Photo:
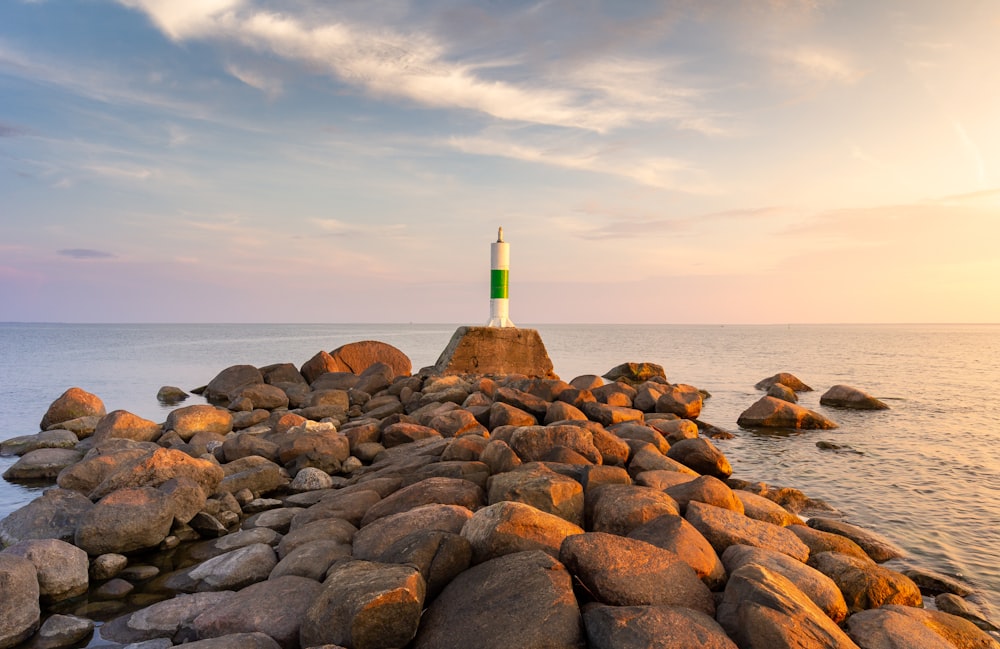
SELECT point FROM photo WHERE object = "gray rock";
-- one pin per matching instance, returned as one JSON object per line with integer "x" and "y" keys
{"x": 107, "y": 566}
{"x": 125, "y": 520}
{"x": 233, "y": 570}
{"x": 311, "y": 479}
{"x": 62, "y": 568}
{"x": 652, "y": 627}
{"x": 42, "y": 464}
{"x": 324, "y": 529}
{"x": 163, "y": 619}
{"x": 312, "y": 559}
{"x": 19, "y": 594}
{"x": 61, "y": 631}
{"x": 57, "y": 438}
{"x": 444, "y": 491}
{"x": 54, "y": 515}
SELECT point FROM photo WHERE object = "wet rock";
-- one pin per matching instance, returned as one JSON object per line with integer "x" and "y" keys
{"x": 170, "y": 395}
{"x": 542, "y": 488}
{"x": 786, "y": 379}
{"x": 723, "y": 528}
{"x": 681, "y": 400}
{"x": 365, "y": 605}
{"x": 62, "y": 568}
{"x": 769, "y": 412}
{"x": 444, "y": 491}
{"x": 54, "y": 515}
{"x": 509, "y": 527}
{"x": 705, "y": 489}
{"x": 125, "y": 520}
{"x": 702, "y": 456}
{"x": 522, "y": 600}
{"x": 876, "y": 546}
{"x": 892, "y": 627}
{"x": 955, "y": 605}
{"x": 374, "y": 539}
{"x": 627, "y": 572}
{"x": 125, "y": 425}
{"x": 783, "y": 392}
{"x": 72, "y": 404}
{"x": 19, "y": 594}
{"x": 42, "y": 464}
{"x": 761, "y": 608}
{"x": 274, "y": 607}
{"x": 864, "y": 583}
{"x": 230, "y": 571}
{"x": 819, "y": 541}
{"x": 57, "y": 438}
{"x": 676, "y": 535}
{"x": 652, "y": 627}
{"x": 844, "y": 396}
{"x": 621, "y": 508}
{"x": 163, "y": 619}
{"x": 199, "y": 418}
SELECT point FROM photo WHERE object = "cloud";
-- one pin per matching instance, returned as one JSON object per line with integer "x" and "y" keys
{"x": 181, "y": 19}
{"x": 637, "y": 228}
{"x": 85, "y": 253}
{"x": 338, "y": 228}
{"x": 812, "y": 64}
{"x": 9, "y": 130}
{"x": 270, "y": 86}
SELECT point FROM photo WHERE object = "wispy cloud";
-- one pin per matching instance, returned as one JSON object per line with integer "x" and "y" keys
{"x": 10, "y": 130}
{"x": 270, "y": 86}
{"x": 85, "y": 253}
{"x": 812, "y": 64}
{"x": 339, "y": 228}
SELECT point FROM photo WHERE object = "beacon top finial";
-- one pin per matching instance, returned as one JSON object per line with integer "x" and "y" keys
{"x": 500, "y": 235}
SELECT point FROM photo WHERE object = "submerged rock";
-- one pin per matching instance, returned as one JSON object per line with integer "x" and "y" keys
{"x": 788, "y": 380}
{"x": 769, "y": 412}
{"x": 844, "y": 396}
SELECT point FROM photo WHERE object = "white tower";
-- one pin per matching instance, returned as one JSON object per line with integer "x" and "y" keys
{"x": 499, "y": 275}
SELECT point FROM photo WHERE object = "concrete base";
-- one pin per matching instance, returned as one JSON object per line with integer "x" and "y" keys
{"x": 495, "y": 350}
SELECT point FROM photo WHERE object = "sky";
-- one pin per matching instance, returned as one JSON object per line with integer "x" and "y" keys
{"x": 683, "y": 161}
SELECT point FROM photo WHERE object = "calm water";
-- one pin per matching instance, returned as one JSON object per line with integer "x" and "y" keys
{"x": 925, "y": 473}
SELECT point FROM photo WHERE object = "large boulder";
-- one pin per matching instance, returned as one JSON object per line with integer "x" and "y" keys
{"x": 321, "y": 449}
{"x": 230, "y": 381}
{"x": 439, "y": 556}
{"x": 19, "y": 594}
{"x": 652, "y": 627}
{"x": 522, "y": 600}
{"x": 261, "y": 395}
{"x": 123, "y": 424}
{"x": 866, "y": 584}
{"x": 102, "y": 461}
{"x": 542, "y": 488}
{"x": 761, "y": 608}
{"x": 533, "y": 443}
{"x": 627, "y": 572}
{"x": 63, "y": 569}
{"x": 705, "y": 489}
{"x": 163, "y": 619}
{"x": 879, "y": 548}
{"x": 443, "y": 491}
{"x": 233, "y": 570}
{"x": 54, "y": 515}
{"x": 635, "y": 373}
{"x": 200, "y": 418}
{"x": 42, "y": 464}
{"x": 676, "y": 535}
{"x": 274, "y": 607}
{"x": 311, "y": 560}
{"x": 125, "y": 520}
{"x": 72, "y": 404}
{"x": 896, "y": 627}
{"x": 508, "y": 527}
{"x": 723, "y": 528}
{"x": 820, "y": 541}
{"x": 620, "y": 508}
{"x": 375, "y": 538}
{"x": 769, "y": 412}
{"x": 766, "y": 510}
{"x": 356, "y": 357}
{"x": 844, "y": 396}
{"x": 784, "y": 378}
{"x": 365, "y": 605}
{"x": 163, "y": 465}
{"x": 681, "y": 400}
{"x": 702, "y": 456}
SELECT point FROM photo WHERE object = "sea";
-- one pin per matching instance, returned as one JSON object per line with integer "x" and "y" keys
{"x": 925, "y": 473}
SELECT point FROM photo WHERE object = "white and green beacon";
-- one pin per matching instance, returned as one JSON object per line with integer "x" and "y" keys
{"x": 499, "y": 276}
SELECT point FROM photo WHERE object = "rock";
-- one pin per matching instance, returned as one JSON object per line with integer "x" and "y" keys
{"x": 82, "y": 427}
{"x": 42, "y": 464}
{"x": 761, "y": 608}
{"x": 189, "y": 420}
{"x": 502, "y": 414}
{"x": 236, "y": 641}
{"x": 934, "y": 582}
{"x": 681, "y": 400}
{"x": 676, "y": 535}
{"x": 365, "y": 605}
{"x": 532, "y": 443}
{"x": 635, "y": 373}
{"x": 311, "y": 479}
{"x": 896, "y": 627}
{"x": 257, "y": 474}
{"x": 645, "y": 457}
{"x": 319, "y": 365}
{"x": 312, "y": 559}
{"x": 783, "y": 392}
{"x": 123, "y": 424}
{"x": 54, "y": 515}
{"x": 62, "y": 568}
{"x": 374, "y": 539}
{"x": 170, "y": 395}
{"x": 445, "y": 491}
{"x": 282, "y": 373}
{"x": 702, "y": 456}
{"x": 769, "y": 412}
{"x": 627, "y": 572}
{"x": 723, "y": 528}
{"x": 844, "y": 396}
{"x": 231, "y": 571}
{"x": 19, "y": 594}
{"x": 955, "y": 605}
{"x": 864, "y": 583}
{"x": 674, "y": 430}
{"x": 125, "y": 520}
{"x": 274, "y": 607}
{"x": 786, "y": 379}
{"x": 279, "y": 519}
{"x": 621, "y": 508}
{"x": 705, "y": 489}
{"x": 819, "y": 541}
{"x": 562, "y": 411}
{"x": 509, "y": 527}
{"x": 156, "y": 469}
{"x": 405, "y": 433}
{"x": 652, "y": 627}
{"x": 439, "y": 556}
{"x": 72, "y": 404}
{"x": 813, "y": 584}
{"x": 495, "y": 350}
{"x": 642, "y": 432}
{"x": 325, "y": 450}
{"x": 615, "y": 394}
{"x": 350, "y": 506}
{"x": 62, "y": 631}
{"x": 113, "y": 589}
{"x": 876, "y": 546}
{"x": 499, "y": 457}
{"x": 587, "y": 382}
{"x": 57, "y": 438}
{"x": 357, "y": 357}
{"x": 163, "y": 619}
{"x": 261, "y": 395}
{"x": 229, "y": 382}
{"x": 457, "y": 423}
{"x": 542, "y": 488}
{"x": 102, "y": 461}
{"x": 107, "y": 566}
{"x": 522, "y": 600}
{"x": 607, "y": 415}
{"x": 763, "y": 509}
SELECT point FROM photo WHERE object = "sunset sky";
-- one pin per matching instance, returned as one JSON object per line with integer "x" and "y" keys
{"x": 650, "y": 162}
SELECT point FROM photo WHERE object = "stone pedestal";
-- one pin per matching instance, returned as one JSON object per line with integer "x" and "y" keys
{"x": 495, "y": 350}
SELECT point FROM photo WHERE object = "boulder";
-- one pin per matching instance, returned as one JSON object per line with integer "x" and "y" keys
{"x": 282, "y": 373}
{"x": 875, "y": 546}
{"x": 125, "y": 520}
{"x": 356, "y": 357}
{"x": 62, "y": 631}
{"x": 311, "y": 479}
{"x": 233, "y": 570}
{"x": 324, "y": 450}
{"x": 123, "y": 424}
{"x": 652, "y": 627}
{"x": 159, "y": 467}
{"x": 769, "y": 412}
{"x": 681, "y": 400}
{"x": 325, "y": 529}
{"x": 866, "y": 584}
{"x": 439, "y": 556}
{"x": 635, "y": 373}
{"x": 374, "y": 539}
{"x": 813, "y": 584}
{"x": 311, "y": 560}
{"x": 532, "y": 443}
{"x": 786, "y": 379}
{"x": 705, "y": 489}
{"x": 444, "y": 491}
{"x": 365, "y": 605}
{"x": 620, "y": 508}
{"x": 615, "y": 394}
{"x": 499, "y": 457}
{"x": 819, "y": 541}
{"x": 19, "y": 594}
{"x": 723, "y": 528}
{"x": 676, "y": 535}
{"x": 522, "y": 600}
{"x": 257, "y": 474}
{"x": 82, "y": 427}
{"x": 899, "y": 627}
{"x": 319, "y": 365}
{"x": 170, "y": 395}
{"x": 587, "y": 382}
{"x": 495, "y": 350}
{"x": 525, "y": 401}
{"x": 200, "y": 418}
{"x": 274, "y": 607}
{"x": 627, "y": 572}
{"x": 509, "y": 527}
{"x": 783, "y": 392}
{"x": 844, "y": 396}
{"x": 502, "y": 414}
{"x": 955, "y": 605}
{"x": 230, "y": 381}
{"x": 455, "y": 423}
{"x": 56, "y": 438}
{"x": 642, "y": 432}
{"x": 542, "y": 488}
{"x": 246, "y": 444}
{"x": 562, "y": 411}
{"x": 72, "y": 404}
{"x": 42, "y": 464}
{"x": 405, "y": 433}
{"x": 761, "y": 608}
{"x": 235, "y": 641}
{"x": 646, "y": 396}
{"x": 261, "y": 395}
{"x": 54, "y": 515}
{"x": 163, "y": 619}
{"x": 63, "y": 569}
{"x": 763, "y": 509}
{"x": 702, "y": 456}
{"x": 607, "y": 415}
{"x": 645, "y": 457}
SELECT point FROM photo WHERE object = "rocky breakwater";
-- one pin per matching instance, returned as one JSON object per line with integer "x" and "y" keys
{"x": 372, "y": 508}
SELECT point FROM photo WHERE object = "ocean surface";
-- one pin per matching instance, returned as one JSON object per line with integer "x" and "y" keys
{"x": 925, "y": 473}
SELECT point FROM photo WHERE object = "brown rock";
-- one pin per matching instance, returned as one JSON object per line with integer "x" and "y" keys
{"x": 763, "y": 509}
{"x": 499, "y": 457}
{"x": 495, "y": 350}
{"x": 374, "y": 539}
{"x": 230, "y": 381}
{"x": 125, "y": 520}
{"x": 621, "y": 508}
{"x": 783, "y": 392}
{"x": 72, "y": 404}
{"x": 163, "y": 465}
{"x": 635, "y": 373}
{"x": 439, "y": 556}
{"x": 702, "y": 456}
{"x": 319, "y": 365}
{"x": 676, "y": 535}
{"x": 19, "y": 594}
{"x": 357, "y": 357}
{"x": 876, "y": 546}
{"x": 502, "y": 414}
{"x": 53, "y": 515}
{"x": 786, "y": 379}
{"x": 542, "y": 488}
{"x": 261, "y": 395}
{"x": 705, "y": 489}
{"x": 42, "y": 464}
{"x": 444, "y": 491}
{"x": 681, "y": 400}
{"x": 324, "y": 529}
{"x": 819, "y": 541}
{"x": 896, "y": 627}
{"x": 587, "y": 382}
{"x": 864, "y": 583}
{"x": 723, "y": 528}
{"x": 844, "y": 396}
{"x": 189, "y": 420}
{"x": 769, "y": 412}
{"x": 123, "y": 424}
{"x": 607, "y": 415}
{"x": 405, "y": 433}
{"x": 652, "y": 627}
{"x": 525, "y": 401}
{"x": 321, "y": 449}
{"x": 509, "y": 527}
{"x": 532, "y": 443}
